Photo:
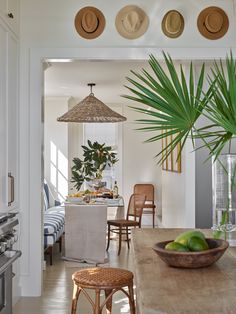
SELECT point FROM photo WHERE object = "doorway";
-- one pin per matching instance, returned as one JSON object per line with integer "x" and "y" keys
{"x": 108, "y": 89}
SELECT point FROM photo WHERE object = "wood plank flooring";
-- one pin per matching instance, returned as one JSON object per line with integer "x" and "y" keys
{"x": 57, "y": 289}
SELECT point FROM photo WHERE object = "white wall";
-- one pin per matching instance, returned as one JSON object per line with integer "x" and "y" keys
{"x": 178, "y": 193}
{"x": 57, "y": 29}
{"x": 56, "y": 147}
{"x": 138, "y": 160}
{"x": 47, "y": 31}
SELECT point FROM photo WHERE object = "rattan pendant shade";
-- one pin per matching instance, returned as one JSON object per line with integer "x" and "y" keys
{"x": 91, "y": 109}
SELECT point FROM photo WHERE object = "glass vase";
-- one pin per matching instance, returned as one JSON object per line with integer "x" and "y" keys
{"x": 224, "y": 197}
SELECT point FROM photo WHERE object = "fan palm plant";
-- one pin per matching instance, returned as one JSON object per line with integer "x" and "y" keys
{"x": 174, "y": 105}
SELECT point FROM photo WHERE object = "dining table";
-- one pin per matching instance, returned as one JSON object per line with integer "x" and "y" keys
{"x": 161, "y": 289}
{"x": 86, "y": 226}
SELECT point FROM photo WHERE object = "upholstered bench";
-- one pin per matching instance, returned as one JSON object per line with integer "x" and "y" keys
{"x": 54, "y": 221}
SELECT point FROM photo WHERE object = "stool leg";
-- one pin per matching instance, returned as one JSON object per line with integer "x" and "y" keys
{"x": 131, "y": 299}
{"x": 108, "y": 236}
{"x": 97, "y": 309}
{"x": 120, "y": 235}
{"x": 76, "y": 293}
{"x": 109, "y": 301}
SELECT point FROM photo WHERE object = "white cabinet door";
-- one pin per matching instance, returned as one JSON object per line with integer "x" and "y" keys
{"x": 3, "y": 119}
{"x": 12, "y": 97}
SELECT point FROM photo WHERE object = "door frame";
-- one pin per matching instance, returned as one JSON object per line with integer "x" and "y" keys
{"x": 31, "y": 138}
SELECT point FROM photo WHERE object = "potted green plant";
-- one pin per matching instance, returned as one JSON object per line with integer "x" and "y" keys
{"x": 175, "y": 105}
{"x": 95, "y": 158}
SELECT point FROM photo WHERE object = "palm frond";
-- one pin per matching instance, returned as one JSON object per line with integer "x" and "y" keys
{"x": 221, "y": 108}
{"x": 175, "y": 105}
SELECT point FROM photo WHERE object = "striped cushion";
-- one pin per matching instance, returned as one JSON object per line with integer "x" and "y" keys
{"x": 53, "y": 222}
{"x": 57, "y": 218}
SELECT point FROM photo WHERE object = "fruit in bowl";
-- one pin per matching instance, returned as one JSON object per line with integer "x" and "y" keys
{"x": 191, "y": 250}
{"x": 189, "y": 241}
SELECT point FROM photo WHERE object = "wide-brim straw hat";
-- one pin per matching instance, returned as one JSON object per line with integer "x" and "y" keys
{"x": 89, "y": 22}
{"x": 131, "y": 22}
{"x": 172, "y": 24}
{"x": 213, "y": 23}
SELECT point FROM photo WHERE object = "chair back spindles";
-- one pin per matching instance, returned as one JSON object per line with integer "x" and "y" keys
{"x": 147, "y": 189}
{"x": 135, "y": 208}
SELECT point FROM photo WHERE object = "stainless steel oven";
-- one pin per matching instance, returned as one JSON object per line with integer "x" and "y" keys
{"x": 8, "y": 236}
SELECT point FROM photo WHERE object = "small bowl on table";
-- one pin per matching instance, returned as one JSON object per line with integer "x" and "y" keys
{"x": 200, "y": 259}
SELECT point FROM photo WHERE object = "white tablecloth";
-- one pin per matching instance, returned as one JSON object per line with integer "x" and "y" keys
{"x": 85, "y": 232}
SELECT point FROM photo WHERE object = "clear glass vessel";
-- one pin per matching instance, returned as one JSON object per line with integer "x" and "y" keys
{"x": 224, "y": 196}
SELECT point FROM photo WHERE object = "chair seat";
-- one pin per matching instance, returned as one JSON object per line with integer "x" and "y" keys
{"x": 102, "y": 277}
{"x": 123, "y": 222}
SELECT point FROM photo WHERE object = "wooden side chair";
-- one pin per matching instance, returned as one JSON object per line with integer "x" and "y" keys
{"x": 110, "y": 280}
{"x": 148, "y": 190}
{"x": 133, "y": 219}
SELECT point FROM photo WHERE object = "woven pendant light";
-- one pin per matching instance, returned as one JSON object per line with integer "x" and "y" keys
{"x": 91, "y": 109}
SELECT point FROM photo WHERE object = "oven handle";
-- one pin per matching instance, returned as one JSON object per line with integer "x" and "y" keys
{"x": 10, "y": 261}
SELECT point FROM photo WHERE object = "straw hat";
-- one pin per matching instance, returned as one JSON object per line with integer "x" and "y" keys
{"x": 213, "y": 23}
{"x": 89, "y": 22}
{"x": 173, "y": 24}
{"x": 131, "y": 22}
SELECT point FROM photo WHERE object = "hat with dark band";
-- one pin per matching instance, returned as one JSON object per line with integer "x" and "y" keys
{"x": 213, "y": 23}
{"x": 89, "y": 22}
{"x": 172, "y": 24}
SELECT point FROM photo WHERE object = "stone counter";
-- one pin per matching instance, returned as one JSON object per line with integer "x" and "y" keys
{"x": 162, "y": 289}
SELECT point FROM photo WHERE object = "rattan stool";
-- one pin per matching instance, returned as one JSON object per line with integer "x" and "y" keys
{"x": 110, "y": 280}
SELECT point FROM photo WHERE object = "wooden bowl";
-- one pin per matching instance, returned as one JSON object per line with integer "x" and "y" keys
{"x": 192, "y": 259}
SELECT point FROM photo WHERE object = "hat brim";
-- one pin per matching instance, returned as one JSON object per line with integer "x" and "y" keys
{"x": 166, "y": 32}
{"x": 78, "y": 23}
{"x": 119, "y": 26}
{"x": 201, "y": 23}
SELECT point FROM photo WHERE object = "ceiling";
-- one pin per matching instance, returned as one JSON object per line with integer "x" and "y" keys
{"x": 69, "y": 79}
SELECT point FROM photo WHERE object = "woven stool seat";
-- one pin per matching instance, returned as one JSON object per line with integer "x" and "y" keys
{"x": 103, "y": 277}
{"x": 110, "y": 280}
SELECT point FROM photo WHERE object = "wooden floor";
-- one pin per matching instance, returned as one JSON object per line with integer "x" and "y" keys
{"x": 57, "y": 289}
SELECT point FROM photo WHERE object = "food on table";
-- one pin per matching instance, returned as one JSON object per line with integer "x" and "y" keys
{"x": 175, "y": 246}
{"x": 80, "y": 194}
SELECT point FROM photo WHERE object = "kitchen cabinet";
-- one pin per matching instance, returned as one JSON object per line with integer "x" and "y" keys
{"x": 8, "y": 116}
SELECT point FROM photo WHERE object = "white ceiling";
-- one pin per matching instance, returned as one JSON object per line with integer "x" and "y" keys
{"x": 69, "y": 79}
